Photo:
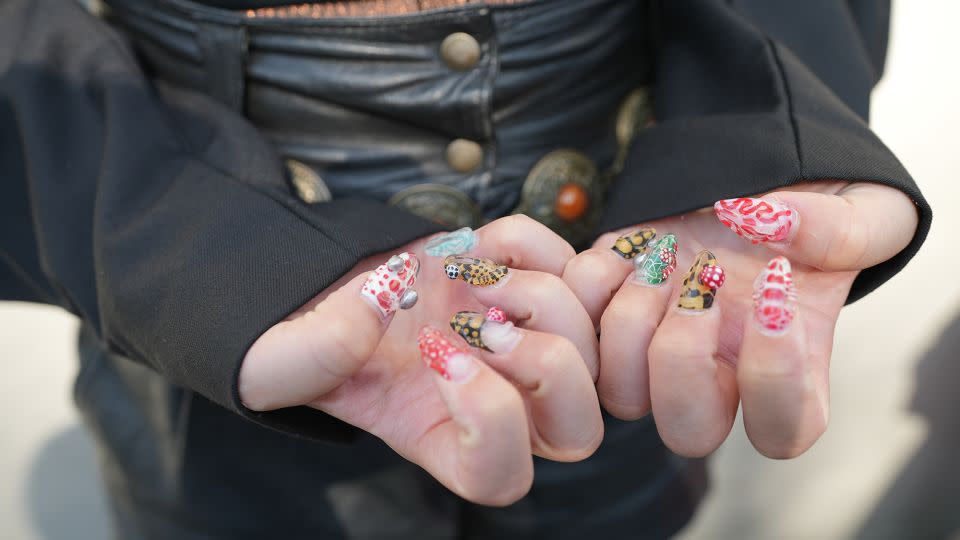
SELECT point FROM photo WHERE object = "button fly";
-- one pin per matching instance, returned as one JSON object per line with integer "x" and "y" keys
{"x": 460, "y": 51}
{"x": 464, "y": 155}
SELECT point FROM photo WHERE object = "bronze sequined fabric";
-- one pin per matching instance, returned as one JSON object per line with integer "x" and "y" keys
{"x": 364, "y": 8}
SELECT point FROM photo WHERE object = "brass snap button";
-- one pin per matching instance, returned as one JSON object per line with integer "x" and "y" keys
{"x": 460, "y": 51}
{"x": 307, "y": 183}
{"x": 439, "y": 203}
{"x": 464, "y": 155}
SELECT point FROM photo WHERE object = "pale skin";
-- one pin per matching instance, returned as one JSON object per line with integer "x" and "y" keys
{"x": 336, "y": 353}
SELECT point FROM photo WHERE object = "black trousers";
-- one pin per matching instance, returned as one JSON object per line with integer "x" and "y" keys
{"x": 178, "y": 466}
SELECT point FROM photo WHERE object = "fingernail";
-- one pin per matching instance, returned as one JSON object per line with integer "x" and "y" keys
{"x": 774, "y": 297}
{"x": 475, "y": 271}
{"x": 491, "y": 332}
{"x": 655, "y": 266}
{"x": 443, "y": 357}
{"x": 630, "y": 245}
{"x": 758, "y": 220}
{"x": 390, "y": 286}
{"x": 452, "y": 243}
{"x": 701, "y": 283}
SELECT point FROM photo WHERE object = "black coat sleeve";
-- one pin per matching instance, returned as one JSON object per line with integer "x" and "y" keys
{"x": 160, "y": 218}
{"x": 755, "y": 95}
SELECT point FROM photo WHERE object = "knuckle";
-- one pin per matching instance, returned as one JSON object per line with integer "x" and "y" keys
{"x": 514, "y": 489}
{"x": 615, "y": 317}
{"x": 592, "y": 264}
{"x": 680, "y": 348}
{"x": 343, "y": 349}
{"x": 851, "y": 241}
{"x": 556, "y": 356}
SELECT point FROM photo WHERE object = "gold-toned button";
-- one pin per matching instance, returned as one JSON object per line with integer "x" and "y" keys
{"x": 460, "y": 51}
{"x": 464, "y": 155}
{"x": 307, "y": 183}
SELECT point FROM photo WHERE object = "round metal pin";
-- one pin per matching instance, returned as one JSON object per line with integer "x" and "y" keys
{"x": 409, "y": 299}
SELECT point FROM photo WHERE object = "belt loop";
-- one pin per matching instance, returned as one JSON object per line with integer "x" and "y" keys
{"x": 224, "y": 48}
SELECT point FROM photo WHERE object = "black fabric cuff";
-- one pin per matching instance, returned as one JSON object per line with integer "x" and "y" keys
{"x": 741, "y": 115}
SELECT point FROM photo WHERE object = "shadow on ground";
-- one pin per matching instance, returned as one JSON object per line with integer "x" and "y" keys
{"x": 922, "y": 501}
{"x": 64, "y": 492}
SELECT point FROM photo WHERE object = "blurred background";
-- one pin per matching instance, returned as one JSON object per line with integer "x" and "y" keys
{"x": 885, "y": 469}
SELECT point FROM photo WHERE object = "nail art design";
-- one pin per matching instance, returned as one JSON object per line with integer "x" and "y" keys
{"x": 774, "y": 297}
{"x": 453, "y": 243}
{"x": 443, "y": 357}
{"x": 655, "y": 266}
{"x": 476, "y": 272}
{"x": 490, "y": 332}
{"x": 701, "y": 283}
{"x": 390, "y": 286}
{"x": 757, "y": 220}
{"x": 630, "y": 245}
{"x": 496, "y": 314}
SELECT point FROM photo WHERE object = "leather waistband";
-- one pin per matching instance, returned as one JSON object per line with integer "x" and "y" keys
{"x": 460, "y": 115}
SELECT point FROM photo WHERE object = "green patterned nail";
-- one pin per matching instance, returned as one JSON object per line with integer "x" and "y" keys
{"x": 654, "y": 267}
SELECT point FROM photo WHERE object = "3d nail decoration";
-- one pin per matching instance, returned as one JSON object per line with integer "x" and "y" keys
{"x": 700, "y": 285}
{"x": 757, "y": 220}
{"x": 390, "y": 286}
{"x": 443, "y": 357}
{"x": 630, "y": 245}
{"x": 496, "y": 314}
{"x": 491, "y": 332}
{"x": 453, "y": 243}
{"x": 774, "y": 297}
{"x": 654, "y": 267}
{"x": 475, "y": 271}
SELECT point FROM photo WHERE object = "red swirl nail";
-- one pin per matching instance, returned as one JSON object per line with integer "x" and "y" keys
{"x": 757, "y": 220}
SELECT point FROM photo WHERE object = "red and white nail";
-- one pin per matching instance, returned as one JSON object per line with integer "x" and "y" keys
{"x": 774, "y": 297}
{"x": 390, "y": 286}
{"x": 450, "y": 362}
{"x": 758, "y": 220}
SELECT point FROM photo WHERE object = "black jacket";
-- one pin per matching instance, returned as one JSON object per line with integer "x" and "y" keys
{"x": 164, "y": 221}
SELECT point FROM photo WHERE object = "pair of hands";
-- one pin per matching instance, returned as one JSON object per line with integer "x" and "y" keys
{"x": 475, "y": 420}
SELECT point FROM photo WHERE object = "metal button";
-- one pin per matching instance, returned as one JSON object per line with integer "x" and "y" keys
{"x": 464, "y": 155}
{"x": 563, "y": 192}
{"x": 308, "y": 184}
{"x": 439, "y": 203}
{"x": 460, "y": 51}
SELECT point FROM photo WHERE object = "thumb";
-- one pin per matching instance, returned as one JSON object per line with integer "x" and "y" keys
{"x": 302, "y": 358}
{"x": 860, "y": 226}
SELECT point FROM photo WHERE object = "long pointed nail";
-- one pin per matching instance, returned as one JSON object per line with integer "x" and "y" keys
{"x": 654, "y": 267}
{"x": 491, "y": 332}
{"x": 630, "y": 245}
{"x": 701, "y": 283}
{"x": 452, "y": 243}
{"x": 758, "y": 220}
{"x": 444, "y": 358}
{"x": 475, "y": 271}
{"x": 774, "y": 297}
{"x": 390, "y": 286}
